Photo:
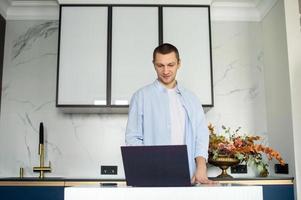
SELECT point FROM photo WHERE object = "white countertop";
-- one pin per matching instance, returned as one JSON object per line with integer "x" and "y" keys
{"x": 203, "y": 192}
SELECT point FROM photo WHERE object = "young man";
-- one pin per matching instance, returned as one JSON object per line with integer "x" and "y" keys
{"x": 164, "y": 113}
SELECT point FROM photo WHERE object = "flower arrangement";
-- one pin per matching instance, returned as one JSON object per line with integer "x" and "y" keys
{"x": 242, "y": 147}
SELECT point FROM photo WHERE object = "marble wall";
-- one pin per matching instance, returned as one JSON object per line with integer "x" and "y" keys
{"x": 238, "y": 80}
{"x": 77, "y": 144}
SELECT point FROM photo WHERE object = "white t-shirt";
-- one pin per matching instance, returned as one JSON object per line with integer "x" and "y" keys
{"x": 177, "y": 117}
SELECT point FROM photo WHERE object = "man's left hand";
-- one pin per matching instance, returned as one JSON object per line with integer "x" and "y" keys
{"x": 200, "y": 175}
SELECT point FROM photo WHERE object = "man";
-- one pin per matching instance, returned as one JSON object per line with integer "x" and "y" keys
{"x": 164, "y": 113}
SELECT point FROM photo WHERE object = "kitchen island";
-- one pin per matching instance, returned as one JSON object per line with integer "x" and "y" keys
{"x": 52, "y": 188}
{"x": 216, "y": 192}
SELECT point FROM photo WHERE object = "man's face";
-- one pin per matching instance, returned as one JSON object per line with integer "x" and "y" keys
{"x": 166, "y": 66}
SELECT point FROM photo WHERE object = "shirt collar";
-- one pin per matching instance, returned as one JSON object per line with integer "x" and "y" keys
{"x": 164, "y": 89}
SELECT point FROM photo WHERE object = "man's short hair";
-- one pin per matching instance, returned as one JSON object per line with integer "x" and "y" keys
{"x": 166, "y": 48}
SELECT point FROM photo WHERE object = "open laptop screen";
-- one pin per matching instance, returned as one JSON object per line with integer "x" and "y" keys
{"x": 156, "y": 165}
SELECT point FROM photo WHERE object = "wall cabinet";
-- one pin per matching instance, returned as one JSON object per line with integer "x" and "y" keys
{"x": 82, "y": 56}
{"x": 105, "y": 52}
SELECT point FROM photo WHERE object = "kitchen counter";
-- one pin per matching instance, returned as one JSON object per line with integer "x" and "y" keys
{"x": 49, "y": 188}
{"x": 61, "y": 181}
{"x": 55, "y": 181}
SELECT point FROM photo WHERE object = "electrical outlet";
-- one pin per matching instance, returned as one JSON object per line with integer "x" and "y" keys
{"x": 281, "y": 169}
{"x": 239, "y": 169}
{"x": 108, "y": 170}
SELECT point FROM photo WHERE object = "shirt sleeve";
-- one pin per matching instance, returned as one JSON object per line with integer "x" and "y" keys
{"x": 134, "y": 129}
{"x": 202, "y": 136}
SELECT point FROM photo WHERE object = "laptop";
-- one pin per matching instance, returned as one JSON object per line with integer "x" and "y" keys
{"x": 156, "y": 166}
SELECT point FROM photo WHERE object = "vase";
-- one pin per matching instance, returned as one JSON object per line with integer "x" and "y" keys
{"x": 224, "y": 163}
{"x": 263, "y": 173}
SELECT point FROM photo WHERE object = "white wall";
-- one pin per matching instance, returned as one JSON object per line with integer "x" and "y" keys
{"x": 277, "y": 86}
{"x": 77, "y": 144}
{"x": 293, "y": 31}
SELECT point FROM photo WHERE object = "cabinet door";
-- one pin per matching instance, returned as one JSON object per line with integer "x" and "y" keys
{"x": 82, "y": 55}
{"x": 278, "y": 192}
{"x": 188, "y": 29}
{"x": 31, "y": 192}
{"x": 134, "y": 36}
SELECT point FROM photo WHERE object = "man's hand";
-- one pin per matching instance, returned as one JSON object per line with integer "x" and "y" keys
{"x": 200, "y": 175}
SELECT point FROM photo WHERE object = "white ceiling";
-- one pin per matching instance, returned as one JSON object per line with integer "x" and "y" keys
{"x": 18, "y": 2}
{"x": 229, "y": 10}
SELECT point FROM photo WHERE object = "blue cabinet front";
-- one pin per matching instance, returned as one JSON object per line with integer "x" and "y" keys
{"x": 278, "y": 192}
{"x": 31, "y": 193}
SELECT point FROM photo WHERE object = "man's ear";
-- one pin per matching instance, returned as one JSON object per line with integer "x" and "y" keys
{"x": 179, "y": 64}
{"x": 154, "y": 64}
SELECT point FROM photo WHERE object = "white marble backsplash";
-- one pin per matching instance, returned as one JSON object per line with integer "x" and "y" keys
{"x": 77, "y": 144}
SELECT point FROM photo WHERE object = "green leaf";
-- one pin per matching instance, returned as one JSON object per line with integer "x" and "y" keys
{"x": 259, "y": 168}
{"x": 239, "y": 156}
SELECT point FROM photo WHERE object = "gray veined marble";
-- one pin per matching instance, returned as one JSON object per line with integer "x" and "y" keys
{"x": 34, "y": 58}
{"x": 229, "y": 68}
{"x": 39, "y": 107}
{"x": 254, "y": 92}
{"x": 26, "y": 40}
{"x": 76, "y": 134}
{"x": 28, "y": 150}
{"x": 22, "y": 101}
{"x": 260, "y": 61}
{"x": 54, "y": 148}
{"x": 233, "y": 91}
{"x": 5, "y": 88}
{"x": 30, "y": 123}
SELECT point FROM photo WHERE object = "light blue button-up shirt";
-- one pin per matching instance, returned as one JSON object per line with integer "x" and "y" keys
{"x": 149, "y": 121}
